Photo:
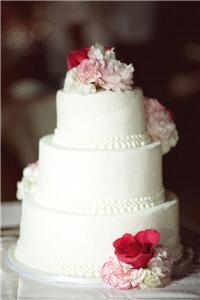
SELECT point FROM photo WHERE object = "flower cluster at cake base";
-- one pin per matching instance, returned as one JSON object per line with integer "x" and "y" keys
{"x": 160, "y": 124}
{"x": 96, "y": 68}
{"x": 138, "y": 263}
{"x": 28, "y": 184}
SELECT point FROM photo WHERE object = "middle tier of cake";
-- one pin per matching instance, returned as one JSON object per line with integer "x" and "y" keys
{"x": 99, "y": 182}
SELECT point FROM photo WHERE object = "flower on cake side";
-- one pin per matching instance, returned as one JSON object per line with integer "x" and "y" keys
{"x": 27, "y": 185}
{"x": 96, "y": 68}
{"x": 139, "y": 262}
{"x": 160, "y": 124}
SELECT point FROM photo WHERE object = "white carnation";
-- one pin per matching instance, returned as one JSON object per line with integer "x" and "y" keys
{"x": 171, "y": 142}
{"x": 151, "y": 280}
{"x": 137, "y": 276}
{"x": 97, "y": 51}
{"x": 160, "y": 124}
{"x": 157, "y": 266}
{"x": 28, "y": 184}
{"x": 110, "y": 55}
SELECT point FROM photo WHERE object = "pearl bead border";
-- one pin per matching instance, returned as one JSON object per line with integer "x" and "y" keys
{"x": 115, "y": 207}
{"x": 61, "y": 268}
{"x": 104, "y": 143}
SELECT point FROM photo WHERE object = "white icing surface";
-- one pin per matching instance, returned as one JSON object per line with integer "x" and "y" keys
{"x": 72, "y": 179}
{"x": 105, "y": 114}
{"x": 78, "y": 245}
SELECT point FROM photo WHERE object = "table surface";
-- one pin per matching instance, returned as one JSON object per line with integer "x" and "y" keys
{"x": 15, "y": 286}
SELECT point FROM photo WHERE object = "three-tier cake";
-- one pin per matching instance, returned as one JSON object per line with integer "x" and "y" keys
{"x": 99, "y": 175}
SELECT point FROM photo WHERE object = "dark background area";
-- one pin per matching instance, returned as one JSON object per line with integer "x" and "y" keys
{"x": 162, "y": 39}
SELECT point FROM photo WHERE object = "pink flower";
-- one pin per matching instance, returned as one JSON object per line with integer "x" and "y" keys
{"x": 117, "y": 76}
{"x": 76, "y": 56}
{"x": 115, "y": 275}
{"x": 88, "y": 71}
{"x": 159, "y": 124}
{"x": 136, "y": 250}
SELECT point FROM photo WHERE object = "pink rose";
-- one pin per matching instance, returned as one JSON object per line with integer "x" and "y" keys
{"x": 76, "y": 56}
{"x": 117, "y": 76}
{"x": 115, "y": 275}
{"x": 136, "y": 250}
{"x": 88, "y": 71}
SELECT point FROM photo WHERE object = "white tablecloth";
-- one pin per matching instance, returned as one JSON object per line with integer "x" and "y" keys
{"x": 15, "y": 286}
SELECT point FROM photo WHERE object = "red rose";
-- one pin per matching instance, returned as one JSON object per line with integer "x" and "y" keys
{"x": 136, "y": 250}
{"x": 76, "y": 56}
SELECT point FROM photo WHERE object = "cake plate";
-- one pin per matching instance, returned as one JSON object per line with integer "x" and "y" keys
{"x": 180, "y": 270}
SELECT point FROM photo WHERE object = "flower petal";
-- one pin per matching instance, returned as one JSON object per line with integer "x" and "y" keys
{"x": 148, "y": 236}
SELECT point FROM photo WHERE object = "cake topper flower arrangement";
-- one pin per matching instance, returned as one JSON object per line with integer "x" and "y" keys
{"x": 96, "y": 68}
{"x": 139, "y": 262}
{"x": 160, "y": 124}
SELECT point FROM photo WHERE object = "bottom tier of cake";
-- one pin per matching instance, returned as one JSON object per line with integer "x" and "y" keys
{"x": 78, "y": 245}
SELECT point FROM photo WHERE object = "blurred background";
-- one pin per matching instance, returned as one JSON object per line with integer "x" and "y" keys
{"x": 162, "y": 39}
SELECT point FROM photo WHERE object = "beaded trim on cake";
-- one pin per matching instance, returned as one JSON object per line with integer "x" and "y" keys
{"x": 62, "y": 268}
{"x": 113, "y": 207}
{"x": 107, "y": 143}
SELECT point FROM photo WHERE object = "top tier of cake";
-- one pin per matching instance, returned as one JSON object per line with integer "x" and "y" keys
{"x": 105, "y": 119}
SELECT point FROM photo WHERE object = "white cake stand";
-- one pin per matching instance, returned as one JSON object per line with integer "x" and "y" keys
{"x": 180, "y": 270}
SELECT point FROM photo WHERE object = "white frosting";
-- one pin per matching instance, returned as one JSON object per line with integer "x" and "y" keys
{"x": 86, "y": 193}
{"x": 103, "y": 115}
{"x": 78, "y": 245}
{"x": 99, "y": 180}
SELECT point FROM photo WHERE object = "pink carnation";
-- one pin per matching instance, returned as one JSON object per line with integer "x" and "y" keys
{"x": 159, "y": 124}
{"x": 88, "y": 71}
{"x": 115, "y": 275}
{"x": 117, "y": 76}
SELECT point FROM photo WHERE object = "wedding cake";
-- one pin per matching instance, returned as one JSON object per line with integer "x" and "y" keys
{"x": 99, "y": 176}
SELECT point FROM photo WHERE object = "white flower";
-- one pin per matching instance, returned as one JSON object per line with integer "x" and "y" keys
{"x": 28, "y": 184}
{"x": 73, "y": 85}
{"x": 160, "y": 124}
{"x": 162, "y": 252}
{"x": 101, "y": 53}
{"x": 96, "y": 52}
{"x": 137, "y": 276}
{"x": 157, "y": 266}
{"x": 161, "y": 264}
{"x": 100, "y": 70}
{"x": 117, "y": 76}
{"x": 151, "y": 280}
{"x": 109, "y": 55}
